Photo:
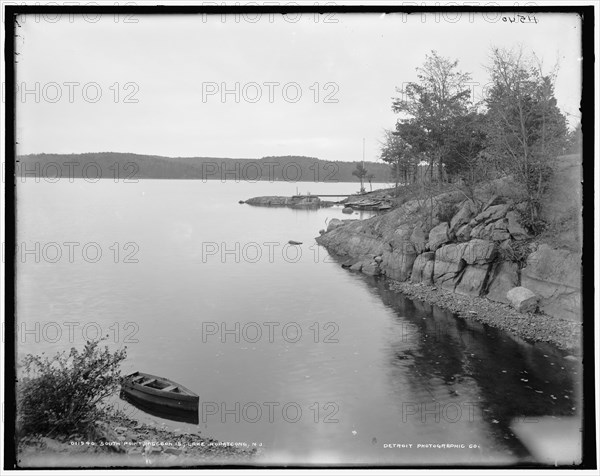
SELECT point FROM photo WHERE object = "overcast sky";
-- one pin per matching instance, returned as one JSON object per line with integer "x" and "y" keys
{"x": 304, "y": 87}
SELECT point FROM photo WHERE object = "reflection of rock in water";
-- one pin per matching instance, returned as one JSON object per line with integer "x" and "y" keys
{"x": 162, "y": 411}
{"x": 445, "y": 363}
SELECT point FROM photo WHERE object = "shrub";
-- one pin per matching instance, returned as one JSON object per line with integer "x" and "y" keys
{"x": 446, "y": 210}
{"x": 62, "y": 395}
{"x": 515, "y": 251}
{"x": 531, "y": 218}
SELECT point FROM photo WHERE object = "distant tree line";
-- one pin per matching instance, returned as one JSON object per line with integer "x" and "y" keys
{"x": 132, "y": 167}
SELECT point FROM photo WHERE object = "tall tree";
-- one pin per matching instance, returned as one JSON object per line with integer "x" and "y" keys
{"x": 430, "y": 106}
{"x": 467, "y": 163}
{"x": 526, "y": 130}
{"x": 361, "y": 172}
{"x": 398, "y": 153}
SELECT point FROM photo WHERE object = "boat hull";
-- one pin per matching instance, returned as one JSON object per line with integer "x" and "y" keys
{"x": 161, "y": 411}
{"x": 185, "y": 400}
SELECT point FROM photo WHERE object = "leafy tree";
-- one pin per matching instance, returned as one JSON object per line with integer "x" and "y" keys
{"x": 525, "y": 128}
{"x": 430, "y": 107}
{"x": 361, "y": 172}
{"x": 467, "y": 162}
{"x": 574, "y": 139}
{"x": 398, "y": 153}
{"x": 62, "y": 395}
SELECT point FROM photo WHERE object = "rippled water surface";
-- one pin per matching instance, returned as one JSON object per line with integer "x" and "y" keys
{"x": 285, "y": 348}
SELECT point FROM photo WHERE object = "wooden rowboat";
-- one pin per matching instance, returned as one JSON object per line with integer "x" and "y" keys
{"x": 159, "y": 391}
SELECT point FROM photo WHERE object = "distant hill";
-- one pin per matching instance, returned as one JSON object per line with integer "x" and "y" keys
{"x": 125, "y": 166}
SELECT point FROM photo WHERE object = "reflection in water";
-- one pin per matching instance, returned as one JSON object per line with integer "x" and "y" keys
{"x": 462, "y": 372}
{"x": 161, "y": 411}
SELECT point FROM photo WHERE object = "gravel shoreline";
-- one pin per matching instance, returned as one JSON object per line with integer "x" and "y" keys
{"x": 535, "y": 327}
{"x": 127, "y": 442}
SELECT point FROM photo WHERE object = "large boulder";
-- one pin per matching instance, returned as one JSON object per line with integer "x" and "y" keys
{"x": 517, "y": 232}
{"x": 478, "y": 251}
{"x": 503, "y": 278}
{"x": 490, "y": 214}
{"x": 499, "y": 230}
{"x": 463, "y": 233}
{"x": 464, "y": 267}
{"x": 371, "y": 268}
{"x": 555, "y": 275}
{"x": 419, "y": 237}
{"x": 478, "y": 231}
{"x": 422, "y": 271}
{"x": 463, "y": 216}
{"x": 472, "y": 280}
{"x": 398, "y": 264}
{"x": 334, "y": 223}
{"x": 522, "y": 299}
{"x": 448, "y": 264}
{"x": 438, "y": 236}
{"x": 400, "y": 239}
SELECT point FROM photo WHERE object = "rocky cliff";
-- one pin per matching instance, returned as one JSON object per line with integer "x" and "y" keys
{"x": 477, "y": 250}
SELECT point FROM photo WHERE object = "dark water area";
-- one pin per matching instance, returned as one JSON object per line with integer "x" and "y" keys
{"x": 446, "y": 354}
{"x": 288, "y": 350}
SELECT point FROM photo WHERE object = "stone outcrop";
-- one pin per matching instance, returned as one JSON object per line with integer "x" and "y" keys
{"x": 438, "y": 236}
{"x": 422, "y": 271}
{"x": 464, "y": 233}
{"x": 463, "y": 267}
{"x": 336, "y": 222}
{"x": 463, "y": 216}
{"x": 555, "y": 276}
{"x": 293, "y": 202}
{"x": 490, "y": 214}
{"x": 504, "y": 277}
{"x": 522, "y": 299}
{"x": 465, "y": 255}
{"x": 419, "y": 237}
{"x": 398, "y": 264}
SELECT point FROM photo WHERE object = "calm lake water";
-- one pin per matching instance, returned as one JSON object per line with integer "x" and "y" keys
{"x": 285, "y": 348}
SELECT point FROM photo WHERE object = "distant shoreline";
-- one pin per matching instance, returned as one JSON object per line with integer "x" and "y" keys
{"x": 124, "y": 167}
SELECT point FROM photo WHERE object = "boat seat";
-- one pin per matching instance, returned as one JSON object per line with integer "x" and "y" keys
{"x": 170, "y": 388}
{"x": 149, "y": 381}
{"x": 139, "y": 377}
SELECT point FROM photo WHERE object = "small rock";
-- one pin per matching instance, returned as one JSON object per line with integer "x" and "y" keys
{"x": 120, "y": 429}
{"x": 356, "y": 266}
{"x": 371, "y": 269}
{"x": 173, "y": 451}
{"x": 347, "y": 210}
{"x": 153, "y": 450}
